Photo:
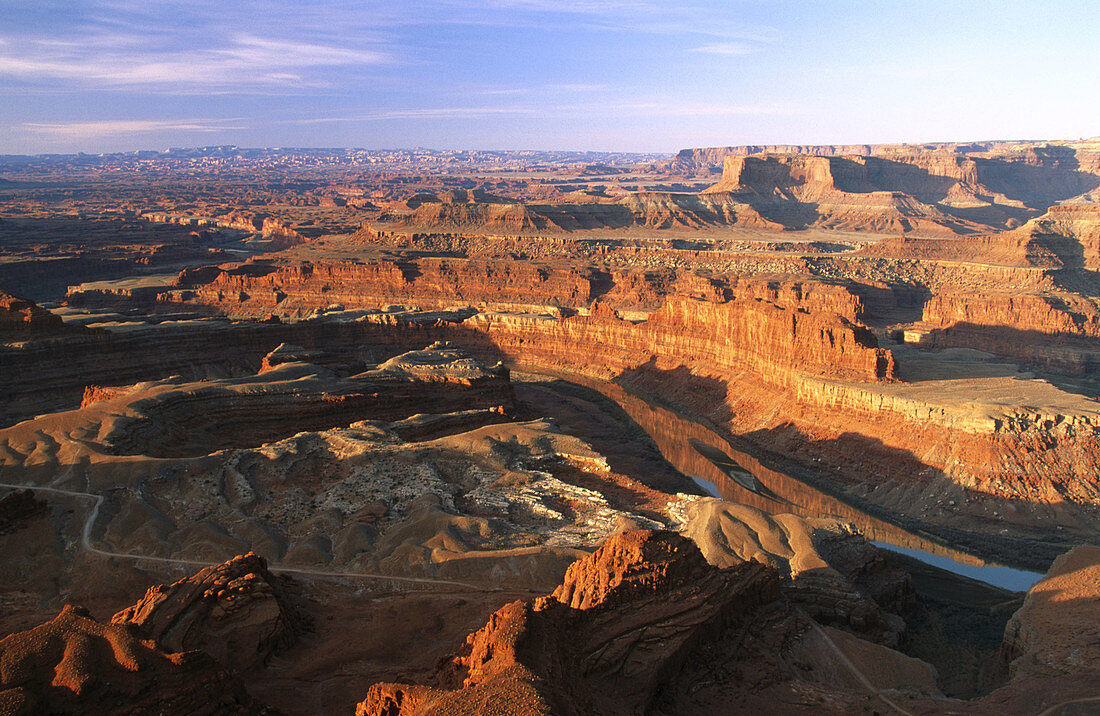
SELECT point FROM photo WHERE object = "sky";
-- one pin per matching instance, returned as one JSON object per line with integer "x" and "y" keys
{"x": 603, "y": 75}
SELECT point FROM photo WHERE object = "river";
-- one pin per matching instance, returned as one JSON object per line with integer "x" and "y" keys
{"x": 731, "y": 474}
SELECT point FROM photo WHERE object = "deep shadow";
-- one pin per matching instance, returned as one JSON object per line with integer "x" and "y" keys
{"x": 842, "y": 469}
{"x": 42, "y": 257}
{"x": 1074, "y": 358}
{"x": 888, "y": 305}
{"x": 53, "y": 375}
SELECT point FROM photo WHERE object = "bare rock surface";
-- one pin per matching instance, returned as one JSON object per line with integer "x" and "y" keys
{"x": 235, "y": 612}
{"x": 74, "y": 664}
{"x": 643, "y": 625}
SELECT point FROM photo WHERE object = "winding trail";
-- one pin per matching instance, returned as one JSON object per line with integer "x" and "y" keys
{"x": 1058, "y": 707}
{"x": 853, "y": 668}
{"x": 86, "y": 543}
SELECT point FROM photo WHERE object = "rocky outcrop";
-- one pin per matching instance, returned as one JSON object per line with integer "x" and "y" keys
{"x": 583, "y": 649}
{"x": 175, "y": 418}
{"x": 287, "y": 353}
{"x": 835, "y": 575}
{"x": 235, "y": 612}
{"x": 1055, "y": 632}
{"x": 74, "y": 664}
{"x": 642, "y": 625}
{"x": 709, "y": 160}
{"x": 21, "y": 319}
{"x": 797, "y": 192}
{"x": 941, "y": 192}
{"x": 430, "y": 282}
{"x": 1060, "y": 332}
{"x": 716, "y": 339}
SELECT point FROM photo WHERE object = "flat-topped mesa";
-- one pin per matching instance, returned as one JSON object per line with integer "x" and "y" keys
{"x": 939, "y": 193}
{"x": 764, "y": 175}
{"x": 430, "y": 282}
{"x": 1083, "y": 155}
{"x": 1070, "y": 231}
{"x": 21, "y": 319}
{"x": 489, "y": 216}
{"x": 174, "y": 418}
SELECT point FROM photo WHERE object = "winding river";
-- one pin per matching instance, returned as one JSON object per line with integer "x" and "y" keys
{"x": 726, "y": 472}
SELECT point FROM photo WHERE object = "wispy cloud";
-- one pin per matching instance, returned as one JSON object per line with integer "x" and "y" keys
{"x": 120, "y": 62}
{"x": 556, "y": 88}
{"x": 107, "y": 128}
{"x": 648, "y": 109}
{"x": 694, "y": 109}
{"x": 725, "y": 48}
{"x": 422, "y": 113}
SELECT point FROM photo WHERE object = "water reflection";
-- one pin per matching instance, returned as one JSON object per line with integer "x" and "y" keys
{"x": 731, "y": 474}
{"x": 1016, "y": 580}
{"x": 733, "y": 471}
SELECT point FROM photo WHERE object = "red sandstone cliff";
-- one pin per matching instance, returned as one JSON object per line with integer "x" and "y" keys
{"x": 645, "y": 625}
{"x": 585, "y": 648}
{"x": 21, "y": 319}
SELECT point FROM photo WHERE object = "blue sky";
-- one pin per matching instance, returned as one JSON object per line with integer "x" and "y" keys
{"x": 615, "y": 75}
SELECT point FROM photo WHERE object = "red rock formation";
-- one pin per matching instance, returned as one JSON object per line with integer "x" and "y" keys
{"x": 95, "y": 393}
{"x": 428, "y": 282}
{"x": 1059, "y": 332}
{"x": 585, "y": 648}
{"x": 645, "y": 625}
{"x": 21, "y": 319}
{"x": 235, "y": 612}
{"x": 714, "y": 338}
{"x": 1049, "y": 661}
{"x": 1056, "y": 632}
{"x": 771, "y": 324}
{"x": 74, "y": 664}
{"x": 174, "y": 419}
{"x": 287, "y": 353}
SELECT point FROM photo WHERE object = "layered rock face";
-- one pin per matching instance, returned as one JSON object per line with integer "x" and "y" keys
{"x": 836, "y": 576}
{"x": 709, "y": 160}
{"x": 927, "y": 193}
{"x": 59, "y": 374}
{"x": 800, "y": 337}
{"x": 1060, "y": 332}
{"x": 1055, "y": 632}
{"x": 21, "y": 320}
{"x": 767, "y": 324}
{"x": 431, "y": 282}
{"x": 637, "y": 627}
{"x": 74, "y": 664}
{"x": 933, "y": 190}
{"x": 234, "y": 612}
{"x": 715, "y": 338}
{"x": 175, "y": 418}
{"x": 776, "y": 321}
